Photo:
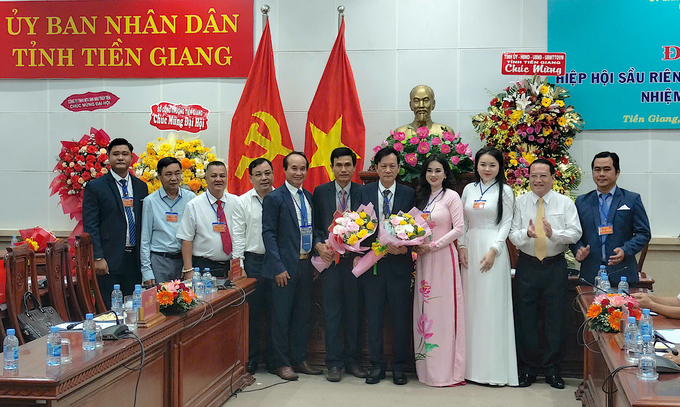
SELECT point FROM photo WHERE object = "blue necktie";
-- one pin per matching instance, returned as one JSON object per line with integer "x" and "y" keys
{"x": 604, "y": 213}
{"x": 386, "y": 203}
{"x": 303, "y": 208}
{"x": 128, "y": 214}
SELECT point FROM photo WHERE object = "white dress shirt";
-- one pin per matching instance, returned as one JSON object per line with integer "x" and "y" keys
{"x": 560, "y": 212}
{"x": 297, "y": 204}
{"x": 247, "y": 230}
{"x": 381, "y": 201}
{"x": 129, "y": 195}
{"x": 197, "y": 225}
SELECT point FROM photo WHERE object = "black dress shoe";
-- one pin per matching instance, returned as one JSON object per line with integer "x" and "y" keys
{"x": 526, "y": 379}
{"x": 334, "y": 374}
{"x": 375, "y": 376}
{"x": 555, "y": 380}
{"x": 399, "y": 378}
{"x": 356, "y": 371}
{"x": 252, "y": 366}
{"x": 271, "y": 369}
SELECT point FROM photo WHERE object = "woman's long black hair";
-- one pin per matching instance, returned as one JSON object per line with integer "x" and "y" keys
{"x": 424, "y": 190}
{"x": 500, "y": 178}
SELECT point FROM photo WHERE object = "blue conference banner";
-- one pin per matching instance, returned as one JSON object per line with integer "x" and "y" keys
{"x": 623, "y": 60}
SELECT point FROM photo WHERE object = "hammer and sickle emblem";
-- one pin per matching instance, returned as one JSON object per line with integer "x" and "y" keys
{"x": 273, "y": 145}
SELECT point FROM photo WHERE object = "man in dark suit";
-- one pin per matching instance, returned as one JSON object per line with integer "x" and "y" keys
{"x": 341, "y": 290}
{"x": 112, "y": 215}
{"x": 287, "y": 219}
{"x": 391, "y": 283}
{"x": 614, "y": 222}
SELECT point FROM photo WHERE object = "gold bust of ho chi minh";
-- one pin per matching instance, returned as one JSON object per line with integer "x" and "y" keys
{"x": 422, "y": 104}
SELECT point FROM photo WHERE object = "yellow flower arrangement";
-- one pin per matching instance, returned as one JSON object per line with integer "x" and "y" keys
{"x": 193, "y": 157}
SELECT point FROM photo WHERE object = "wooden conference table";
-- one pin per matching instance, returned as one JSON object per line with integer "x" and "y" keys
{"x": 200, "y": 366}
{"x": 629, "y": 390}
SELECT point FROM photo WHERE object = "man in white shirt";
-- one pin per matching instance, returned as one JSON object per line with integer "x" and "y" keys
{"x": 545, "y": 223}
{"x": 206, "y": 225}
{"x": 249, "y": 247}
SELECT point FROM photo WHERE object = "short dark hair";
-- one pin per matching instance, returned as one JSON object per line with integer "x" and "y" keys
{"x": 214, "y": 164}
{"x": 384, "y": 152}
{"x": 543, "y": 161}
{"x": 257, "y": 162}
{"x": 166, "y": 162}
{"x": 342, "y": 152}
{"x": 118, "y": 142}
{"x": 605, "y": 154}
{"x": 285, "y": 159}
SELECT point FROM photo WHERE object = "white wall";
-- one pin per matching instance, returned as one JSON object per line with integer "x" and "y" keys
{"x": 454, "y": 46}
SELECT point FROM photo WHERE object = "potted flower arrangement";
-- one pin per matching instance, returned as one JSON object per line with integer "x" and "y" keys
{"x": 530, "y": 120}
{"x": 416, "y": 148}
{"x": 174, "y": 297}
{"x": 606, "y": 311}
{"x": 192, "y": 156}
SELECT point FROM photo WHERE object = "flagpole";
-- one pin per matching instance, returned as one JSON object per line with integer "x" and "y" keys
{"x": 341, "y": 14}
{"x": 265, "y": 14}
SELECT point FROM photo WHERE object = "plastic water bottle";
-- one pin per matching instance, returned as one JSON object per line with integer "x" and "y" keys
{"x": 14, "y": 240}
{"x": 54, "y": 347}
{"x": 195, "y": 279}
{"x": 117, "y": 300}
{"x": 647, "y": 362}
{"x": 10, "y": 350}
{"x": 213, "y": 284}
{"x": 646, "y": 324}
{"x": 89, "y": 333}
{"x": 603, "y": 269}
{"x": 207, "y": 280}
{"x": 200, "y": 289}
{"x": 632, "y": 336}
{"x": 136, "y": 305}
{"x": 604, "y": 284}
{"x": 623, "y": 285}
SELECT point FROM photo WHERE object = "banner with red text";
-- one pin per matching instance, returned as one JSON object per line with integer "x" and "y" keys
{"x": 126, "y": 39}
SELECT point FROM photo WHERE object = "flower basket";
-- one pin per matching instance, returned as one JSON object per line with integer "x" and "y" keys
{"x": 175, "y": 298}
{"x": 419, "y": 144}
{"x": 530, "y": 120}
{"x": 606, "y": 311}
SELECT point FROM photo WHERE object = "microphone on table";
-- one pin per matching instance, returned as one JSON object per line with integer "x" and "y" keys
{"x": 73, "y": 325}
{"x": 659, "y": 338}
{"x": 583, "y": 280}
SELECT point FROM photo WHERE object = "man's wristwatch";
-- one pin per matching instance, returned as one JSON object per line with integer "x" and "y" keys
{"x": 101, "y": 258}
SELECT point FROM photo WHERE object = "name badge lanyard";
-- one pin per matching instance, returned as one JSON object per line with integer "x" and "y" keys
{"x": 218, "y": 226}
{"x": 432, "y": 201}
{"x": 305, "y": 228}
{"x": 605, "y": 228}
{"x": 171, "y": 216}
{"x": 386, "y": 203}
{"x": 344, "y": 207}
{"x": 480, "y": 203}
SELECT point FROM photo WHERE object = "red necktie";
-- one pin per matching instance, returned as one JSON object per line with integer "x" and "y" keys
{"x": 226, "y": 237}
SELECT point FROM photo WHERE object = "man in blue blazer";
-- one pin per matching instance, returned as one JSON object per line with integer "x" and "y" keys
{"x": 614, "y": 222}
{"x": 341, "y": 291}
{"x": 391, "y": 282}
{"x": 112, "y": 215}
{"x": 287, "y": 232}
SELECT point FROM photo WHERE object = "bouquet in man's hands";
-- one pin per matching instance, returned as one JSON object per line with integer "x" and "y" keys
{"x": 347, "y": 232}
{"x": 402, "y": 229}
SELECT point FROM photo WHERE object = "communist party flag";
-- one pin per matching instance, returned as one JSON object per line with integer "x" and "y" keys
{"x": 334, "y": 118}
{"x": 258, "y": 128}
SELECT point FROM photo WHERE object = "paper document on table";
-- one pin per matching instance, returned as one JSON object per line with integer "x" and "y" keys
{"x": 671, "y": 335}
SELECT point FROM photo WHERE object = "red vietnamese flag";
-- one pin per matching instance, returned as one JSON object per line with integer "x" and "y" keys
{"x": 258, "y": 128}
{"x": 334, "y": 118}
